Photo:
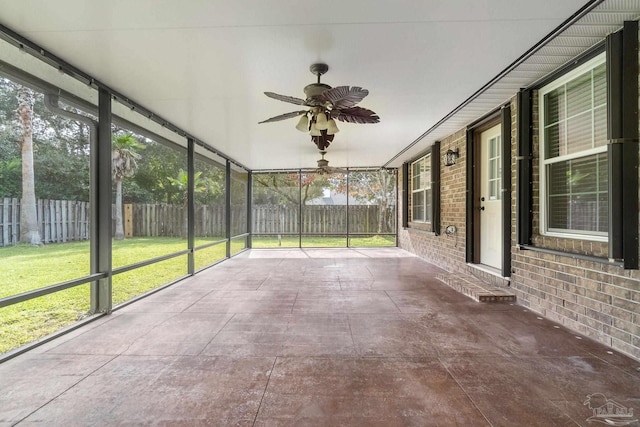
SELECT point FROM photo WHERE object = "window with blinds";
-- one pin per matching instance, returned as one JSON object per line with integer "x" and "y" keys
{"x": 573, "y": 136}
{"x": 421, "y": 208}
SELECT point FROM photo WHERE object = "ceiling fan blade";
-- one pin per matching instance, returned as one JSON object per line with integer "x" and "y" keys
{"x": 356, "y": 115}
{"x": 285, "y": 98}
{"x": 284, "y": 116}
{"x": 344, "y": 96}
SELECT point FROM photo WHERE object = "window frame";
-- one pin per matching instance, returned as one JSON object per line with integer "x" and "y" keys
{"x": 495, "y": 165}
{"x": 563, "y": 80}
{"x": 426, "y": 192}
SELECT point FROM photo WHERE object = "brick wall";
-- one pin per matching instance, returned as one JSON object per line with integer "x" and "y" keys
{"x": 445, "y": 251}
{"x": 596, "y": 299}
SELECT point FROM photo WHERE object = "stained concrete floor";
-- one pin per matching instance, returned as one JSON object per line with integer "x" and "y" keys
{"x": 316, "y": 338}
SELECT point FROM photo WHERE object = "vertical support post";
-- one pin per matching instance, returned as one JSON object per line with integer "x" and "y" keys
{"x": 100, "y": 208}
{"x": 191, "y": 206}
{"x": 300, "y": 208}
{"x": 227, "y": 196}
{"x": 396, "y": 220}
{"x": 249, "y": 208}
{"x": 506, "y": 190}
{"x": 405, "y": 195}
{"x": 348, "y": 237}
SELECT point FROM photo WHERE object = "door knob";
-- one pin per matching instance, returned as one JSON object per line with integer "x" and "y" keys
{"x": 481, "y": 208}
{"x": 482, "y": 199}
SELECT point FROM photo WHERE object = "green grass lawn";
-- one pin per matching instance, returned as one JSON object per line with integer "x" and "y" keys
{"x": 24, "y": 268}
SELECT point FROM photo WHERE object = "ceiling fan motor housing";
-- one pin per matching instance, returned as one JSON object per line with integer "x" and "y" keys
{"x": 322, "y": 163}
{"x": 313, "y": 91}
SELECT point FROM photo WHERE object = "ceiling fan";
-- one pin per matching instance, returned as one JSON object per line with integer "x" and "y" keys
{"x": 324, "y": 168}
{"x": 326, "y": 104}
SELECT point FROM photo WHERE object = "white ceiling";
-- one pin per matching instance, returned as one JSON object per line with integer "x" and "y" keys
{"x": 204, "y": 64}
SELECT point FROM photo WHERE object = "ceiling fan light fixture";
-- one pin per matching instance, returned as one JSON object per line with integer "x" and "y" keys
{"x": 303, "y": 123}
{"x": 325, "y": 103}
{"x": 314, "y": 131}
{"x": 321, "y": 121}
{"x": 332, "y": 128}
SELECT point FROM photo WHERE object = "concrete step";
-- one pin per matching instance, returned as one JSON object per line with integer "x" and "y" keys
{"x": 475, "y": 288}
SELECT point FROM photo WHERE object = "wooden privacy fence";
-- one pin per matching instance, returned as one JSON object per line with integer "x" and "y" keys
{"x": 321, "y": 219}
{"x": 163, "y": 220}
{"x": 169, "y": 220}
{"x": 64, "y": 221}
{"x": 59, "y": 221}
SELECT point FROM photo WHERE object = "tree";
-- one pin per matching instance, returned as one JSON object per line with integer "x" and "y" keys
{"x": 213, "y": 178}
{"x": 10, "y": 152}
{"x": 182, "y": 184}
{"x": 150, "y": 183}
{"x": 284, "y": 188}
{"x": 377, "y": 187}
{"x": 124, "y": 158}
{"x": 60, "y": 149}
{"x": 29, "y": 230}
{"x": 61, "y": 174}
{"x": 10, "y": 171}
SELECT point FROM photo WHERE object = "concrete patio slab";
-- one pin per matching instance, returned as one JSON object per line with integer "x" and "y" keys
{"x": 319, "y": 337}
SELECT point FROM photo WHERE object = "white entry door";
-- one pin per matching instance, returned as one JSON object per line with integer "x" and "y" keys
{"x": 491, "y": 198}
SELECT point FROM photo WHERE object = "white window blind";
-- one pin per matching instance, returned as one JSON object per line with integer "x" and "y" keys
{"x": 421, "y": 189}
{"x": 574, "y": 177}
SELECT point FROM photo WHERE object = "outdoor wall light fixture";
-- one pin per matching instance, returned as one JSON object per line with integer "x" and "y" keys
{"x": 451, "y": 156}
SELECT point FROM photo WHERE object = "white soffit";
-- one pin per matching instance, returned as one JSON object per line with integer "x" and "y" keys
{"x": 587, "y": 32}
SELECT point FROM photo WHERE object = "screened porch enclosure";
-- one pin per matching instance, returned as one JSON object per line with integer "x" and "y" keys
{"x": 307, "y": 209}
{"x": 168, "y": 207}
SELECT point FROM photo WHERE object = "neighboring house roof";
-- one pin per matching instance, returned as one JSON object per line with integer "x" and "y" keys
{"x": 334, "y": 198}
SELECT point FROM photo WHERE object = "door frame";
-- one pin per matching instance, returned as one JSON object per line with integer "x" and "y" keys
{"x": 501, "y": 116}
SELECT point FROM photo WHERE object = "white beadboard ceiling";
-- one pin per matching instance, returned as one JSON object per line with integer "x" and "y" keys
{"x": 204, "y": 64}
